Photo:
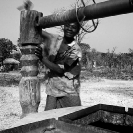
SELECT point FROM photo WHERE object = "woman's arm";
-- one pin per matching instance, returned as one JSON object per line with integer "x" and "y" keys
{"x": 43, "y": 51}
{"x": 74, "y": 68}
{"x": 52, "y": 66}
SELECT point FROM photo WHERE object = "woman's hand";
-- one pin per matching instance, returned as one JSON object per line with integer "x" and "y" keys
{"x": 38, "y": 52}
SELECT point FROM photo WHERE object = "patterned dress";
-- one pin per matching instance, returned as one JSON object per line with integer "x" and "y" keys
{"x": 69, "y": 83}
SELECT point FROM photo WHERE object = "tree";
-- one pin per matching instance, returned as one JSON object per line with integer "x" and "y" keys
{"x": 18, "y": 42}
{"x": 6, "y": 47}
{"x": 110, "y": 57}
{"x": 131, "y": 57}
{"x": 85, "y": 49}
{"x": 130, "y": 50}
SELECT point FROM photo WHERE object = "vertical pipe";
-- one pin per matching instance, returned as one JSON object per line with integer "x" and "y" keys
{"x": 29, "y": 86}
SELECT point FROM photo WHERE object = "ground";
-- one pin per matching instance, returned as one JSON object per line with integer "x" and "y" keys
{"x": 93, "y": 91}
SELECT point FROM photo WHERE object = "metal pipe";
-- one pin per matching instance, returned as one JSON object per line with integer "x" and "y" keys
{"x": 108, "y": 8}
{"x": 94, "y": 11}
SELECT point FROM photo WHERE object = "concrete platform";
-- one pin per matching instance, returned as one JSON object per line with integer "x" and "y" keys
{"x": 55, "y": 113}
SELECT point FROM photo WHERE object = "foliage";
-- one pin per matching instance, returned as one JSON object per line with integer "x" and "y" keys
{"x": 109, "y": 60}
{"x": 18, "y": 42}
{"x": 113, "y": 73}
{"x": 91, "y": 57}
{"x": 16, "y": 55}
{"x": 111, "y": 65}
{"x": 6, "y": 46}
{"x": 85, "y": 49}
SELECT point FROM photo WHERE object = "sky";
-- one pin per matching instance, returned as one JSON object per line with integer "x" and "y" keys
{"x": 112, "y": 32}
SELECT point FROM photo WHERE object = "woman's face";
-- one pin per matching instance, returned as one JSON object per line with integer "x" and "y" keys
{"x": 70, "y": 30}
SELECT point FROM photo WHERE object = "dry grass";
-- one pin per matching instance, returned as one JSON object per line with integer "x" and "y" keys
{"x": 93, "y": 91}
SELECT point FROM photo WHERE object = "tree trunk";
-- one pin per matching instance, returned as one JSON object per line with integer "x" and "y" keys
{"x": 29, "y": 86}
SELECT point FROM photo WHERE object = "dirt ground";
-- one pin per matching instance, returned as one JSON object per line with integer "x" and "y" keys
{"x": 111, "y": 92}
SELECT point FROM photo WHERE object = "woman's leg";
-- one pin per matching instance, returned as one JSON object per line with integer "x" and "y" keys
{"x": 69, "y": 101}
{"x": 50, "y": 103}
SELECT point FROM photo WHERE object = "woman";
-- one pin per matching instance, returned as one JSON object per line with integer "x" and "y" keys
{"x": 62, "y": 58}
